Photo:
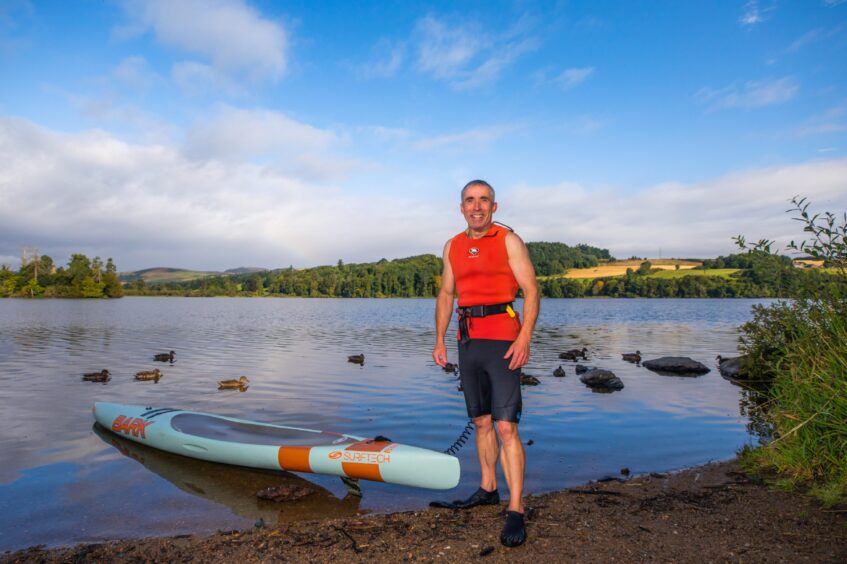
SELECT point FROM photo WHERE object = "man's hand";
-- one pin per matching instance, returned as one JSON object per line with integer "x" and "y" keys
{"x": 439, "y": 354}
{"x": 518, "y": 352}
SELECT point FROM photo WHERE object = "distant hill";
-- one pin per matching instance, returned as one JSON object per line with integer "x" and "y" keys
{"x": 161, "y": 275}
{"x": 245, "y": 270}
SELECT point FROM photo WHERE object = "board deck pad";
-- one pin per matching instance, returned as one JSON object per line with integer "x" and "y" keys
{"x": 211, "y": 427}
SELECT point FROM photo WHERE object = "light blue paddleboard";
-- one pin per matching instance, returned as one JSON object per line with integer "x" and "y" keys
{"x": 277, "y": 447}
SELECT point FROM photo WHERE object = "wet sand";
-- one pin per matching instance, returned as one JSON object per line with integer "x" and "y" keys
{"x": 711, "y": 513}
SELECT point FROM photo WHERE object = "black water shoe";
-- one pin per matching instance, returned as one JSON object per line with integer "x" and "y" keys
{"x": 479, "y": 497}
{"x": 514, "y": 533}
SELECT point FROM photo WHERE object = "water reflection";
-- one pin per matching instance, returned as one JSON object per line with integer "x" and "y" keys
{"x": 234, "y": 486}
{"x": 294, "y": 352}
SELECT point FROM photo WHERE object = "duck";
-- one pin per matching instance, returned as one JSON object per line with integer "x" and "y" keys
{"x": 356, "y": 358}
{"x": 582, "y": 369}
{"x": 102, "y": 376}
{"x": 149, "y": 375}
{"x": 632, "y": 357}
{"x": 240, "y": 384}
{"x": 559, "y": 372}
{"x": 450, "y": 367}
{"x": 165, "y": 357}
{"x": 529, "y": 380}
{"x": 573, "y": 354}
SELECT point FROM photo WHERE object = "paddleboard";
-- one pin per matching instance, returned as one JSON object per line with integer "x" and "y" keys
{"x": 278, "y": 447}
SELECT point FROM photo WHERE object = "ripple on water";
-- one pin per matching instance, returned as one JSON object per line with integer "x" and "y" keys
{"x": 294, "y": 352}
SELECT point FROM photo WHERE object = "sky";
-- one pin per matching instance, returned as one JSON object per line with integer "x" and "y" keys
{"x": 215, "y": 134}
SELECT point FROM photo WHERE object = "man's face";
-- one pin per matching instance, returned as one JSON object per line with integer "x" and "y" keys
{"x": 478, "y": 207}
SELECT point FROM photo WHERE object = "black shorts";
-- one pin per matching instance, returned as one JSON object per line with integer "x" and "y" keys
{"x": 489, "y": 386}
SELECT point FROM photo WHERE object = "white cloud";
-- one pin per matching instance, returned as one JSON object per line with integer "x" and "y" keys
{"x": 148, "y": 205}
{"x": 151, "y": 205}
{"x": 233, "y": 35}
{"x": 135, "y": 73}
{"x": 570, "y": 78}
{"x": 384, "y": 134}
{"x": 833, "y": 120}
{"x": 753, "y": 15}
{"x": 387, "y": 60}
{"x": 684, "y": 220}
{"x": 196, "y": 79}
{"x": 444, "y": 51}
{"x": 236, "y": 134}
{"x": 752, "y": 94}
{"x": 109, "y": 110}
{"x": 473, "y": 139}
{"x": 464, "y": 55}
{"x": 832, "y": 3}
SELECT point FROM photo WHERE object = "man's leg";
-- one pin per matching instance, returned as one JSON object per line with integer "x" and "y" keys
{"x": 487, "y": 451}
{"x": 512, "y": 458}
{"x": 513, "y": 461}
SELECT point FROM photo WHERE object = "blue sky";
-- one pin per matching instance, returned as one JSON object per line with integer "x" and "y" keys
{"x": 222, "y": 133}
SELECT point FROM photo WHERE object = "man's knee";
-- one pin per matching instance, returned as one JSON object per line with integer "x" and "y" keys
{"x": 508, "y": 431}
{"x": 483, "y": 423}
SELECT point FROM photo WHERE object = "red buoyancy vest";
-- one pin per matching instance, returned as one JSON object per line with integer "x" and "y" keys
{"x": 483, "y": 277}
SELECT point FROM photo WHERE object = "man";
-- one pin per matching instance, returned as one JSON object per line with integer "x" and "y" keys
{"x": 485, "y": 265}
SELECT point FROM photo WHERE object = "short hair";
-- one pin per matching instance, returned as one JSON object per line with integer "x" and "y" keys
{"x": 478, "y": 182}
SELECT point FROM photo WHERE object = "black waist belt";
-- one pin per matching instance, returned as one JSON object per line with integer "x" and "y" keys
{"x": 466, "y": 313}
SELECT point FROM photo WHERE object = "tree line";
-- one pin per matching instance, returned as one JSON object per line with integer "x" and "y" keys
{"x": 412, "y": 277}
{"x": 420, "y": 276}
{"x": 39, "y": 277}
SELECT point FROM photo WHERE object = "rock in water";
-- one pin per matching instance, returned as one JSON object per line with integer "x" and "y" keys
{"x": 598, "y": 378}
{"x": 732, "y": 368}
{"x": 284, "y": 493}
{"x": 676, "y": 366}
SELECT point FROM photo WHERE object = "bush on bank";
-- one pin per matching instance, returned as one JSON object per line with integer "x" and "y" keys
{"x": 802, "y": 346}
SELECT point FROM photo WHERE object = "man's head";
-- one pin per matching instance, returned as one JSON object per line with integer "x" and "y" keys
{"x": 478, "y": 183}
{"x": 478, "y": 205}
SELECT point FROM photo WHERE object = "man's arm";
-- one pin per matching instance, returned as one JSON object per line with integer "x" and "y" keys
{"x": 525, "y": 275}
{"x": 443, "y": 308}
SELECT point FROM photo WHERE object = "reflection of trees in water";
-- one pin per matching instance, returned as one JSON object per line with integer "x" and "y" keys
{"x": 753, "y": 404}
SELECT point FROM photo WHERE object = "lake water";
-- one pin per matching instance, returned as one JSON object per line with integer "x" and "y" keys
{"x": 63, "y": 481}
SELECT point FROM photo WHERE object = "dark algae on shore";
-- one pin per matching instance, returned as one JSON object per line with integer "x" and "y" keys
{"x": 712, "y": 513}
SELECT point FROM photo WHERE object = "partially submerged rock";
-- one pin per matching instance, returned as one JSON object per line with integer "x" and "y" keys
{"x": 732, "y": 368}
{"x": 676, "y": 366}
{"x": 284, "y": 493}
{"x": 582, "y": 369}
{"x": 601, "y": 379}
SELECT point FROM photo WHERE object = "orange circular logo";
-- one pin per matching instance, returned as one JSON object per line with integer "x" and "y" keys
{"x": 335, "y": 455}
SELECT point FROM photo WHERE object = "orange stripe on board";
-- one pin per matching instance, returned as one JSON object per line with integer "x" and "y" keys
{"x": 362, "y": 470}
{"x": 294, "y": 458}
{"x": 369, "y": 445}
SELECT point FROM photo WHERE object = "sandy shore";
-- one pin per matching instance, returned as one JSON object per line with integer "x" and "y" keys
{"x": 711, "y": 513}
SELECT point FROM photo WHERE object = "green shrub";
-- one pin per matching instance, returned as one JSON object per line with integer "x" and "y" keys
{"x": 802, "y": 346}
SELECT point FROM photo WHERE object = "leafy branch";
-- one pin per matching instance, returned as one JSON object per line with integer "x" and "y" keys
{"x": 829, "y": 239}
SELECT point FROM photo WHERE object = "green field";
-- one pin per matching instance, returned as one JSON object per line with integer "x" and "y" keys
{"x": 722, "y": 272}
